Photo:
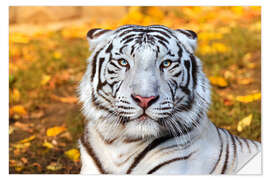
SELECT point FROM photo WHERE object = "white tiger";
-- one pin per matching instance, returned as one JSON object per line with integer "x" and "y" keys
{"x": 145, "y": 98}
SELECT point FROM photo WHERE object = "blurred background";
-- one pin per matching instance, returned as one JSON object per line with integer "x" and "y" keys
{"x": 47, "y": 58}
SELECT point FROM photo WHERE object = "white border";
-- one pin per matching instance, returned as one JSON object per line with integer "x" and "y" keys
{"x": 4, "y": 73}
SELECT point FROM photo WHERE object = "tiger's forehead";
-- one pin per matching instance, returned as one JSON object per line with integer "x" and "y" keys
{"x": 146, "y": 41}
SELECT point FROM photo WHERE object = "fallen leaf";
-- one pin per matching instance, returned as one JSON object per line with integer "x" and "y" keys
{"x": 69, "y": 99}
{"x": 247, "y": 57}
{"x": 244, "y": 123}
{"x": 11, "y": 130}
{"x": 21, "y": 145}
{"x": 249, "y": 98}
{"x": 57, "y": 55}
{"x": 73, "y": 154}
{"x": 54, "y": 166}
{"x": 15, "y": 95}
{"x": 17, "y": 110}
{"x": 218, "y": 81}
{"x": 244, "y": 81}
{"x": 24, "y": 126}
{"x": 27, "y": 139}
{"x": 54, "y": 131}
{"x": 37, "y": 115}
{"x": 47, "y": 145}
{"x": 45, "y": 79}
{"x": 24, "y": 160}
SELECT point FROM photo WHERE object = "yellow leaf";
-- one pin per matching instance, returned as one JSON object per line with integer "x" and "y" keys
{"x": 21, "y": 145}
{"x": 249, "y": 98}
{"x": 244, "y": 123}
{"x": 54, "y": 166}
{"x": 73, "y": 154}
{"x": 218, "y": 81}
{"x": 54, "y": 131}
{"x": 47, "y": 145}
{"x": 15, "y": 95}
{"x": 19, "y": 38}
{"x": 45, "y": 79}
{"x": 18, "y": 109}
{"x": 27, "y": 139}
{"x": 57, "y": 55}
{"x": 11, "y": 130}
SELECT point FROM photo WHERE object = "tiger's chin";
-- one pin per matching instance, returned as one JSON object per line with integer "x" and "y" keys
{"x": 143, "y": 127}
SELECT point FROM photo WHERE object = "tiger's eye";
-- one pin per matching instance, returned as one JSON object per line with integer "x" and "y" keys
{"x": 123, "y": 62}
{"x": 166, "y": 63}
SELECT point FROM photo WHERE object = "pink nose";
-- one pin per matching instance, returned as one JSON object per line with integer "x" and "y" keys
{"x": 144, "y": 102}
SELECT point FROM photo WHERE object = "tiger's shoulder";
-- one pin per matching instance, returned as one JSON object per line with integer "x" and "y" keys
{"x": 235, "y": 152}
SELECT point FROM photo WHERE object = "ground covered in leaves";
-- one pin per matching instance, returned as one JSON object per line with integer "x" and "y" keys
{"x": 46, "y": 66}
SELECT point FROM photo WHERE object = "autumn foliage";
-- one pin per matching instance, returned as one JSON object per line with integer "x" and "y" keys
{"x": 46, "y": 65}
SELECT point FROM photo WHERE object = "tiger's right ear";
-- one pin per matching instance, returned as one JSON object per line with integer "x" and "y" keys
{"x": 98, "y": 36}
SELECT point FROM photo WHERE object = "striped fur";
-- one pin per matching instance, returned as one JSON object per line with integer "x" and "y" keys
{"x": 172, "y": 134}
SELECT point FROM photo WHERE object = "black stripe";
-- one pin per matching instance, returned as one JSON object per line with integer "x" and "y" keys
{"x": 172, "y": 68}
{"x": 116, "y": 90}
{"x": 124, "y": 107}
{"x": 132, "y": 49}
{"x": 234, "y": 147}
{"x": 163, "y": 44}
{"x": 128, "y": 40}
{"x": 127, "y": 37}
{"x": 121, "y": 49}
{"x": 164, "y": 108}
{"x": 168, "y": 162}
{"x": 177, "y": 74}
{"x": 108, "y": 50}
{"x": 187, "y": 65}
{"x": 100, "y": 84}
{"x": 171, "y": 90}
{"x": 123, "y": 101}
{"x": 255, "y": 144}
{"x": 151, "y": 146}
{"x": 246, "y": 141}
{"x": 124, "y": 27}
{"x": 180, "y": 52}
{"x": 130, "y": 140}
{"x": 113, "y": 64}
{"x": 106, "y": 141}
{"x": 98, "y": 105}
{"x": 111, "y": 72}
{"x": 95, "y": 64}
{"x": 224, "y": 168}
{"x": 220, "y": 151}
{"x": 161, "y": 38}
{"x": 91, "y": 153}
{"x": 194, "y": 70}
{"x": 240, "y": 143}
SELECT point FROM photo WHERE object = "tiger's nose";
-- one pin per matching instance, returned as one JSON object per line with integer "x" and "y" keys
{"x": 144, "y": 102}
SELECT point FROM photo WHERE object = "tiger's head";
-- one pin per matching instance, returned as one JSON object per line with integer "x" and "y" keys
{"x": 144, "y": 80}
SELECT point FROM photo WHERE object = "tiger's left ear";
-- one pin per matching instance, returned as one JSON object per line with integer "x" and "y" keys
{"x": 188, "y": 38}
{"x": 98, "y": 36}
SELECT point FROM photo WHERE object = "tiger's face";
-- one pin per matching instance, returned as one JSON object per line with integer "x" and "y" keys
{"x": 144, "y": 79}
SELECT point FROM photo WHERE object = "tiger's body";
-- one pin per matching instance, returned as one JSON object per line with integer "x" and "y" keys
{"x": 146, "y": 98}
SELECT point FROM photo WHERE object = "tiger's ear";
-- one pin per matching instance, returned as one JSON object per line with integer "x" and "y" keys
{"x": 97, "y": 36}
{"x": 188, "y": 38}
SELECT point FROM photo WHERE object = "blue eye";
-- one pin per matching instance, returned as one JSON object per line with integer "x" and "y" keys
{"x": 166, "y": 63}
{"x": 123, "y": 62}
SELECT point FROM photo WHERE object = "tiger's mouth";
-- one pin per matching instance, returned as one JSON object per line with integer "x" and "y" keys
{"x": 143, "y": 117}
